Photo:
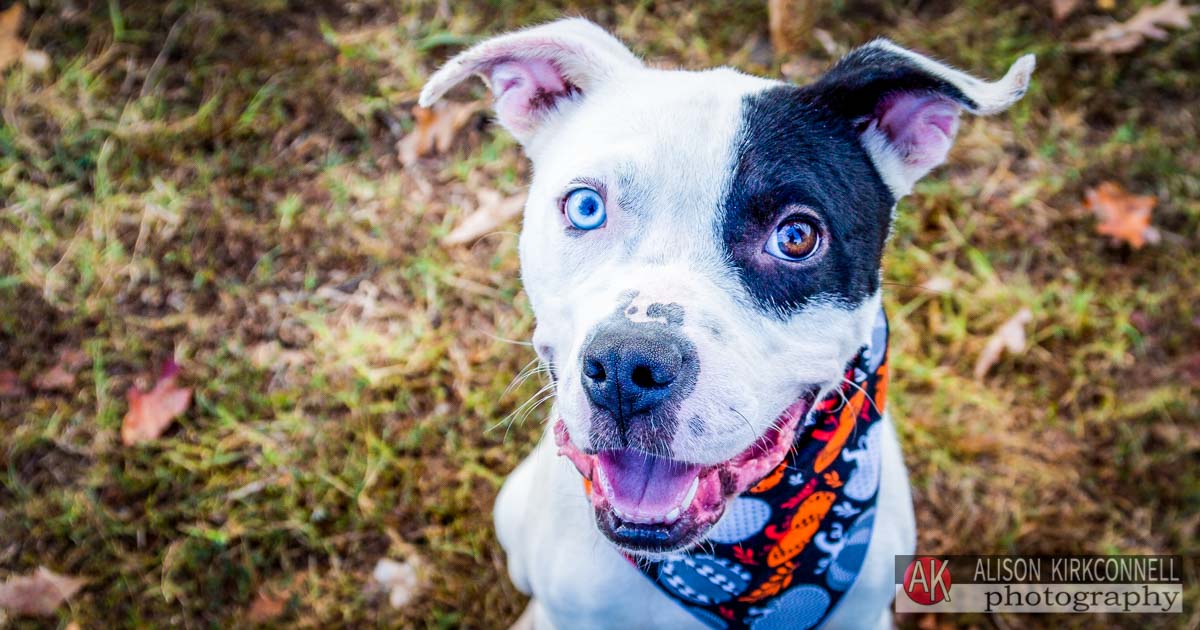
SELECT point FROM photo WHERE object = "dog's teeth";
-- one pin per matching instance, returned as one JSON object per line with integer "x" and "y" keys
{"x": 691, "y": 494}
{"x": 672, "y": 516}
{"x": 603, "y": 479}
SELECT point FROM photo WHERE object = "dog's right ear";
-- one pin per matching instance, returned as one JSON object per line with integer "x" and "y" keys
{"x": 537, "y": 73}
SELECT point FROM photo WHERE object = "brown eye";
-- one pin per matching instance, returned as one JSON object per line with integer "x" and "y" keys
{"x": 795, "y": 239}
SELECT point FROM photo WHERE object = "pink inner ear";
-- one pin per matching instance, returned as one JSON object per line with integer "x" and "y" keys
{"x": 525, "y": 88}
{"x": 920, "y": 126}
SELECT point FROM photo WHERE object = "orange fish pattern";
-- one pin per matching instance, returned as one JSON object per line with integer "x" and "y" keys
{"x": 767, "y": 563}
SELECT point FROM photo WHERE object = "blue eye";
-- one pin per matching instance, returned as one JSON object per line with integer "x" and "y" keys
{"x": 585, "y": 209}
{"x": 796, "y": 239}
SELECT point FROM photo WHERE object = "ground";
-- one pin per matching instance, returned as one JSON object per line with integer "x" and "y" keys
{"x": 218, "y": 183}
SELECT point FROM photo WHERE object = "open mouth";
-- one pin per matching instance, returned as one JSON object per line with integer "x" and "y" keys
{"x": 646, "y": 503}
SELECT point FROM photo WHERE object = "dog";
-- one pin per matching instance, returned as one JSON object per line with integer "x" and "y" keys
{"x": 702, "y": 253}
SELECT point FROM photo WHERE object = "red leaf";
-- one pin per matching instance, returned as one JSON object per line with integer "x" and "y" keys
{"x": 150, "y": 413}
{"x": 1123, "y": 216}
{"x": 10, "y": 384}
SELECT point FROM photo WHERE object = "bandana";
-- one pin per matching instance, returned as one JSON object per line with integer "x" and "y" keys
{"x": 789, "y": 548}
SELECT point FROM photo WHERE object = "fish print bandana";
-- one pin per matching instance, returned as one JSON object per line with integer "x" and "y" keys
{"x": 789, "y": 548}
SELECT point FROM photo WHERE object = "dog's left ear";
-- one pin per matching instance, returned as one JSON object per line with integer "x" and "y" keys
{"x": 538, "y": 73}
{"x": 905, "y": 105}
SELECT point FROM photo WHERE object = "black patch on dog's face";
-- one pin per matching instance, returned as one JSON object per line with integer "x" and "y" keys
{"x": 795, "y": 152}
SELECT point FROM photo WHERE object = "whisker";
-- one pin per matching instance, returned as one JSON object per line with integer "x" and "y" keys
{"x": 519, "y": 414}
{"x": 515, "y": 342}
{"x": 528, "y": 370}
{"x": 865, "y": 393}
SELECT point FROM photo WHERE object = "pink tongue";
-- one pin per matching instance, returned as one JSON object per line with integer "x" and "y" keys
{"x": 645, "y": 484}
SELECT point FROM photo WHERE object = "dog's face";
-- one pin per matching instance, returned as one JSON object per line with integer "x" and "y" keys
{"x": 702, "y": 250}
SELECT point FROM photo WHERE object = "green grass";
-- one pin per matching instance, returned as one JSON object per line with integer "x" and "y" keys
{"x": 218, "y": 182}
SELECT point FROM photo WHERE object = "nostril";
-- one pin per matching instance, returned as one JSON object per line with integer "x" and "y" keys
{"x": 643, "y": 376}
{"x": 594, "y": 370}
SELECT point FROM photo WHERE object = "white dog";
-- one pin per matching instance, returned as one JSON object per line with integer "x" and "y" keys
{"x": 702, "y": 252}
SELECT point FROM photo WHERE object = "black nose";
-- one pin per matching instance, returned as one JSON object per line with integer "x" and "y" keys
{"x": 632, "y": 369}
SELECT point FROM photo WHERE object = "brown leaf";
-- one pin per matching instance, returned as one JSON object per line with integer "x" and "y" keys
{"x": 12, "y": 47}
{"x": 1149, "y": 22}
{"x": 61, "y": 376}
{"x": 435, "y": 129}
{"x": 1062, "y": 9}
{"x": 150, "y": 413}
{"x": 38, "y": 594}
{"x": 267, "y": 606}
{"x": 10, "y": 384}
{"x": 492, "y": 211}
{"x": 56, "y": 378}
{"x": 1009, "y": 336}
{"x": 1123, "y": 216}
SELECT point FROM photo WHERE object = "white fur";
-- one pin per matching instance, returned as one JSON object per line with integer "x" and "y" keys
{"x": 661, "y": 144}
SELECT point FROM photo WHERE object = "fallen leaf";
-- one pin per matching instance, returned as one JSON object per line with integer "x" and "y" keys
{"x": 401, "y": 580}
{"x": 10, "y": 384}
{"x": 272, "y": 355}
{"x": 1062, "y": 9}
{"x": 267, "y": 606}
{"x": 38, "y": 594}
{"x": 11, "y": 45}
{"x": 1150, "y": 22}
{"x": 150, "y": 413}
{"x": 1123, "y": 216}
{"x": 73, "y": 359}
{"x": 61, "y": 375}
{"x": 492, "y": 211}
{"x": 434, "y": 130}
{"x": 13, "y": 48}
{"x": 1009, "y": 336}
{"x": 56, "y": 378}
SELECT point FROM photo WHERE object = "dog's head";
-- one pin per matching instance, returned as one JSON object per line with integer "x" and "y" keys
{"x": 702, "y": 249}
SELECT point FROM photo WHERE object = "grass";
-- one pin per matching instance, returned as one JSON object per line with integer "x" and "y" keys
{"x": 217, "y": 182}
